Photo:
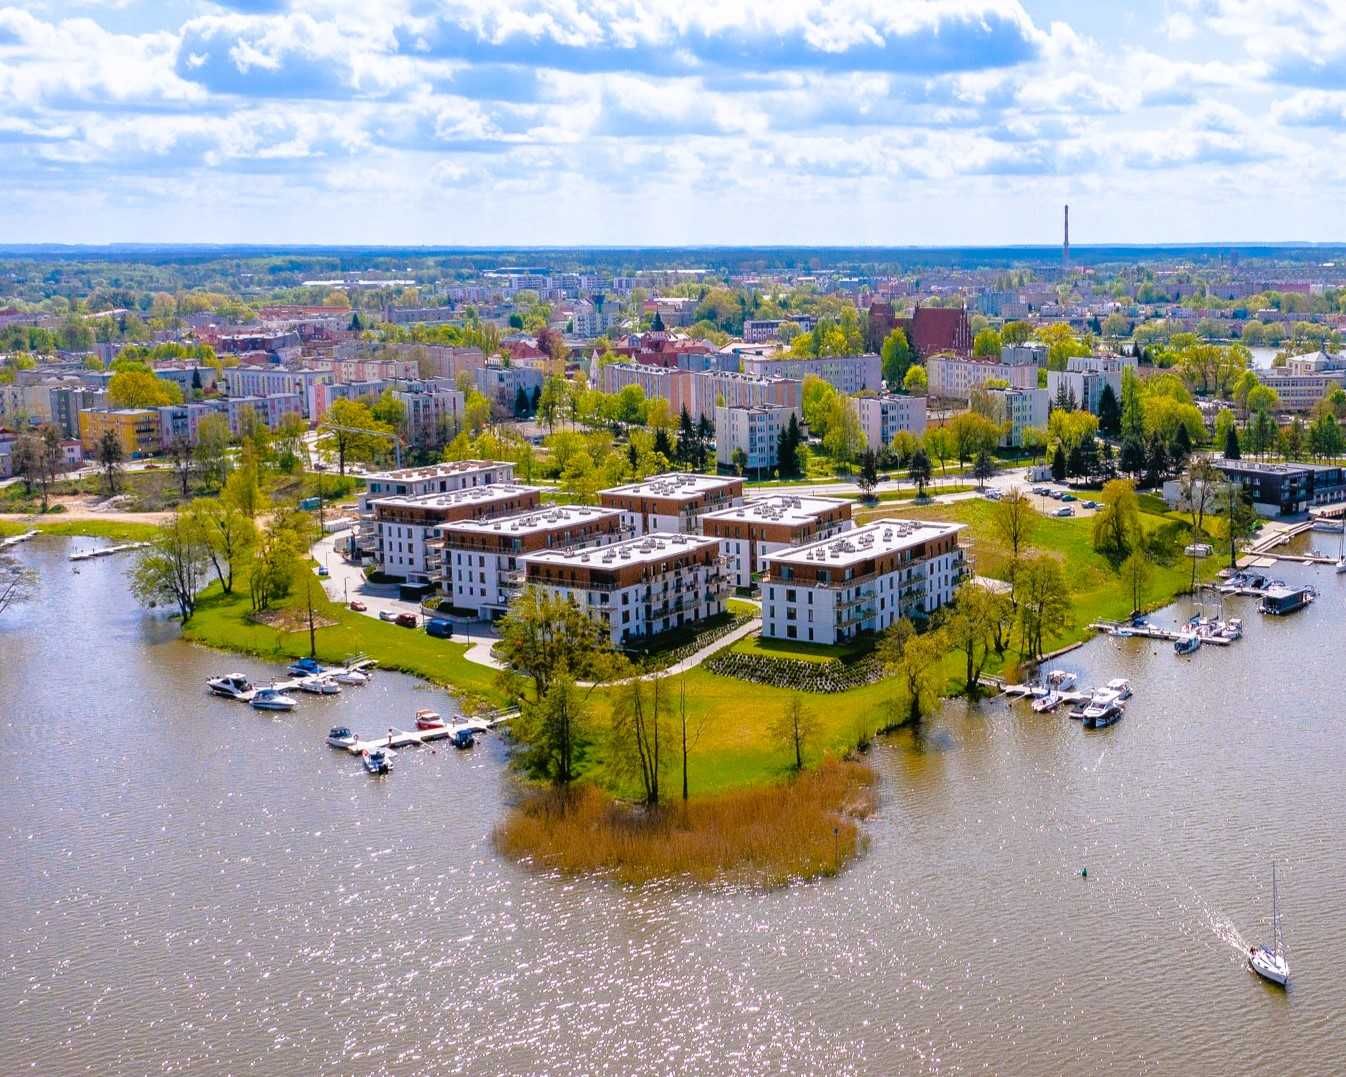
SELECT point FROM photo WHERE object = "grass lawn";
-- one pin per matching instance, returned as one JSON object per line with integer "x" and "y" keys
{"x": 803, "y": 652}
{"x": 117, "y": 530}
{"x": 222, "y": 621}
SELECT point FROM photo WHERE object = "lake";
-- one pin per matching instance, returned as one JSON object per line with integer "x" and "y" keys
{"x": 188, "y": 885}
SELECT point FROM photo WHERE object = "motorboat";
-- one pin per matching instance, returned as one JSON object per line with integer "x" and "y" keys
{"x": 1017, "y": 691}
{"x": 1270, "y": 962}
{"x": 1187, "y": 643}
{"x": 1061, "y": 680}
{"x": 1099, "y": 703}
{"x": 272, "y": 699}
{"x": 1281, "y": 600}
{"x": 1038, "y": 691}
{"x": 361, "y": 664}
{"x": 232, "y": 686}
{"x": 1077, "y": 713}
{"x": 379, "y": 761}
{"x": 340, "y": 736}
{"x": 1046, "y": 703}
{"x": 319, "y": 686}
{"x": 1110, "y": 713}
{"x": 1121, "y": 686}
{"x": 463, "y": 737}
{"x": 304, "y": 667}
{"x": 349, "y": 676}
{"x": 428, "y": 719}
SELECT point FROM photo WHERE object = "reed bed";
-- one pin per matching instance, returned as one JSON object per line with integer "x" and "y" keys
{"x": 765, "y": 836}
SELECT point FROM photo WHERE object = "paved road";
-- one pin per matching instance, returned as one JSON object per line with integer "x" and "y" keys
{"x": 1002, "y": 480}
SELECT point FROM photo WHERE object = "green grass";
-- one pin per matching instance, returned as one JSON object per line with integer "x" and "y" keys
{"x": 803, "y": 652}
{"x": 223, "y": 621}
{"x": 117, "y": 530}
{"x": 737, "y": 606}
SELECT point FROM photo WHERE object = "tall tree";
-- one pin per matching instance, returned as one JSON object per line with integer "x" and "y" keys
{"x": 542, "y": 632}
{"x": 1044, "y": 603}
{"x": 795, "y": 729}
{"x": 1116, "y": 527}
{"x": 110, "y": 456}
{"x": 228, "y": 535}
{"x": 1136, "y": 571}
{"x": 171, "y": 568}
{"x": 919, "y": 472}
{"x": 212, "y": 449}
{"x": 1109, "y": 413}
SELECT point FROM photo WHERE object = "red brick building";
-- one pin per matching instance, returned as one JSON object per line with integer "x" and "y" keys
{"x": 929, "y": 330}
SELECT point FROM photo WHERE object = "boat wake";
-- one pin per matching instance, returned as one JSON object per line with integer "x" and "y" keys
{"x": 1225, "y": 931}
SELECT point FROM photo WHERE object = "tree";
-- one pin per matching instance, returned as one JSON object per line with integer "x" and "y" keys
{"x": 986, "y": 344}
{"x": 970, "y": 626}
{"x": 212, "y": 449}
{"x": 919, "y": 472}
{"x": 637, "y": 735}
{"x": 1197, "y": 492}
{"x": 940, "y": 443}
{"x": 1044, "y": 603}
{"x": 350, "y": 430}
{"x": 1059, "y": 464}
{"x": 171, "y": 567}
{"x": 277, "y": 557}
{"x": 1136, "y": 571}
{"x": 914, "y": 659}
{"x": 241, "y": 489}
{"x": 1109, "y": 413}
{"x": 141, "y": 389}
{"x": 915, "y": 380}
{"x": 180, "y": 458}
{"x": 867, "y": 477}
{"x": 389, "y": 411}
{"x": 795, "y": 729}
{"x": 110, "y": 456}
{"x": 1116, "y": 529}
{"x": 542, "y": 632}
{"x": 1133, "y": 411}
{"x": 787, "y": 455}
{"x": 1239, "y": 518}
{"x": 896, "y": 356}
{"x": 740, "y": 460}
{"x": 845, "y": 436}
{"x": 228, "y": 535}
{"x": 1014, "y": 520}
{"x": 983, "y": 468}
{"x": 553, "y": 731}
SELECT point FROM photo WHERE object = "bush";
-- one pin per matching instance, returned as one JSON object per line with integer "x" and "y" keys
{"x": 793, "y": 675}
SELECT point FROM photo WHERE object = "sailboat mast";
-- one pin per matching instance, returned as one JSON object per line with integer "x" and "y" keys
{"x": 1275, "y": 910}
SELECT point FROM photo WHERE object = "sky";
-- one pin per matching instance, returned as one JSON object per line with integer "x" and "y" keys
{"x": 671, "y": 122}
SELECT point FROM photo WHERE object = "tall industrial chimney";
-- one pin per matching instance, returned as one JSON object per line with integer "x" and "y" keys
{"x": 1065, "y": 249}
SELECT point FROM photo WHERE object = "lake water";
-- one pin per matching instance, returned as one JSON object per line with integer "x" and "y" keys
{"x": 187, "y": 885}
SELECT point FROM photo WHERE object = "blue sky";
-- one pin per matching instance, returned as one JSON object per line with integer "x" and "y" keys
{"x": 672, "y": 121}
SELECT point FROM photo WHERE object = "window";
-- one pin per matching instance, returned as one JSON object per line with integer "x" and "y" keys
{"x": 792, "y": 632}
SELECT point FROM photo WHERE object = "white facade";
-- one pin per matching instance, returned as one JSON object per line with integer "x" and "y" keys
{"x": 882, "y": 417}
{"x": 435, "y": 479}
{"x": 863, "y": 581}
{"x": 637, "y": 588}
{"x": 756, "y": 431}
{"x": 407, "y": 528}
{"x": 1020, "y": 409}
{"x": 848, "y": 374}
{"x": 482, "y": 559}
{"x": 1029, "y": 354}
{"x": 671, "y": 503}
{"x": 590, "y": 319}
{"x": 752, "y": 531}
{"x": 269, "y": 410}
{"x": 952, "y": 377}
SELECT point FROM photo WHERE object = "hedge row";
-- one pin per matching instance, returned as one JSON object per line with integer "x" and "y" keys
{"x": 788, "y": 673}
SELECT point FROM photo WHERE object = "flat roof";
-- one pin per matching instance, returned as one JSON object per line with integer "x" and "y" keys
{"x": 861, "y": 543}
{"x": 496, "y": 491}
{"x": 674, "y": 484}
{"x": 534, "y": 519}
{"x": 779, "y": 509}
{"x": 436, "y": 471}
{"x": 652, "y": 547}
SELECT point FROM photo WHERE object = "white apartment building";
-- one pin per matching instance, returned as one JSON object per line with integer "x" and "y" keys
{"x": 430, "y": 408}
{"x": 593, "y": 318}
{"x": 755, "y": 529}
{"x": 758, "y": 330}
{"x": 184, "y": 420}
{"x": 953, "y": 377}
{"x": 673, "y": 502}
{"x": 861, "y": 581}
{"x": 1027, "y": 354}
{"x": 1020, "y": 409}
{"x": 501, "y": 384}
{"x": 266, "y": 380}
{"x": 407, "y": 528}
{"x": 882, "y": 417}
{"x": 481, "y": 559}
{"x": 1300, "y": 392}
{"x": 434, "y": 479}
{"x": 1085, "y": 376}
{"x": 848, "y": 374}
{"x": 640, "y": 587}
{"x": 268, "y": 410}
{"x": 755, "y": 430}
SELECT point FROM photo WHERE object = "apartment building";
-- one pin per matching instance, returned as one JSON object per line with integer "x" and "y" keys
{"x": 882, "y": 417}
{"x": 137, "y": 429}
{"x": 1029, "y": 353}
{"x": 435, "y": 479}
{"x": 755, "y": 331}
{"x": 184, "y": 420}
{"x": 481, "y": 568}
{"x": 673, "y": 503}
{"x": 848, "y": 374}
{"x": 1018, "y": 409}
{"x": 861, "y": 581}
{"x": 500, "y": 384}
{"x": 1301, "y": 392}
{"x": 640, "y": 587}
{"x": 268, "y": 380}
{"x": 322, "y": 395}
{"x": 756, "y": 431}
{"x": 594, "y": 317}
{"x": 406, "y": 527}
{"x": 1085, "y": 376}
{"x": 752, "y": 531}
{"x": 268, "y": 410}
{"x": 700, "y": 392}
{"x": 952, "y": 377}
{"x": 430, "y": 407}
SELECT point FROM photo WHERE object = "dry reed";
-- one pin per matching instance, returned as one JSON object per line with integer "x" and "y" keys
{"x": 766, "y": 836}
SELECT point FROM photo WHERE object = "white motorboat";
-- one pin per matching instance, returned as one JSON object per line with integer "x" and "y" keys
{"x": 1048, "y": 702}
{"x": 340, "y": 736}
{"x": 1107, "y": 714}
{"x": 1341, "y": 554}
{"x": 350, "y": 676}
{"x": 1187, "y": 643}
{"x": 319, "y": 686}
{"x": 272, "y": 699}
{"x": 1121, "y": 686}
{"x": 1099, "y": 703}
{"x": 1270, "y": 962}
{"x": 1061, "y": 680}
{"x": 232, "y": 686}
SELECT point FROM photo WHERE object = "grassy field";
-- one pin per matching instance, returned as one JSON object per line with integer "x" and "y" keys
{"x": 116, "y": 530}
{"x": 803, "y": 652}
{"x": 223, "y": 621}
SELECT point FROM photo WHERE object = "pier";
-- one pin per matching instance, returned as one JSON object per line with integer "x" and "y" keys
{"x": 14, "y": 540}
{"x": 107, "y": 551}
{"x": 416, "y": 738}
{"x": 1149, "y": 631}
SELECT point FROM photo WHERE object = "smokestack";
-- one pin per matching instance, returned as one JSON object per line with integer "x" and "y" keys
{"x": 1065, "y": 250}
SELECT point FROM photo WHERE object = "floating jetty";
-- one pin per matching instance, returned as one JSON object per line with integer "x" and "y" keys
{"x": 415, "y": 738}
{"x": 1170, "y": 635}
{"x": 14, "y": 540}
{"x": 107, "y": 551}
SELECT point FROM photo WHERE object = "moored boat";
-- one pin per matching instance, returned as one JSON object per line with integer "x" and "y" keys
{"x": 319, "y": 686}
{"x": 1187, "y": 643}
{"x": 1279, "y": 601}
{"x": 1107, "y": 715}
{"x": 428, "y": 719}
{"x": 1121, "y": 686}
{"x": 304, "y": 667}
{"x": 340, "y": 736}
{"x": 350, "y": 676}
{"x": 379, "y": 761}
{"x": 1046, "y": 703}
{"x": 463, "y": 737}
{"x": 272, "y": 699}
{"x": 231, "y": 686}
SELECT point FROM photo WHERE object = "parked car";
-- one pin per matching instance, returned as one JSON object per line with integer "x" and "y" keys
{"x": 1064, "y": 510}
{"x": 406, "y": 620}
{"x": 322, "y": 572}
{"x": 439, "y": 628}
{"x": 358, "y": 606}
{"x": 387, "y": 615}
{"x": 1089, "y": 504}
{"x": 1067, "y": 497}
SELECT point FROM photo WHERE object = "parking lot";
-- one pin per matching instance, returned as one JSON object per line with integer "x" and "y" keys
{"x": 1053, "y": 499}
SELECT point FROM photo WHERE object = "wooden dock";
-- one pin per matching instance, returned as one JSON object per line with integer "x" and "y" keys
{"x": 107, "y": 551}
{"x": 1169, "y": 635}
{"x": 417, "y": 738}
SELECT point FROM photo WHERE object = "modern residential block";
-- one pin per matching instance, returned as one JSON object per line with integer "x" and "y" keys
{"x": 881, "y": 417}
{"x": 754, "y": 430}
{"x": 673, "y": 502}
{"x": 751, "y": 531}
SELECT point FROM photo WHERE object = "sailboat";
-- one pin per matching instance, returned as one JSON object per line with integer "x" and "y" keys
{"x": 1270, "y": 962}
{"x": 1341, "y": 554}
